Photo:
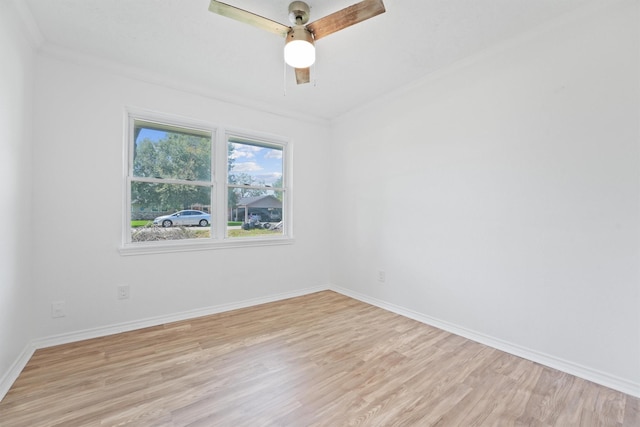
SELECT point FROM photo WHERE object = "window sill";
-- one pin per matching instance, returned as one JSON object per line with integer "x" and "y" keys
{"x": 182, "y": 246}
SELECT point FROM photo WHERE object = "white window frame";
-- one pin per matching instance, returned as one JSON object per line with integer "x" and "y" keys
{"x": 220, "y": 136}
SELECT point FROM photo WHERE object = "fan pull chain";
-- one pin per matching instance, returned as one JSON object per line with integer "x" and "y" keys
{"x": 314, "y": 74}
{"x": 284, "y": 79}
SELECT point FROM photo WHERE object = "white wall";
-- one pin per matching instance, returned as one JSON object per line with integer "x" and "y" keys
{"x": 16, "y": 75}
{"x": 502, "y": 196}
{"x": 78, "y": 171}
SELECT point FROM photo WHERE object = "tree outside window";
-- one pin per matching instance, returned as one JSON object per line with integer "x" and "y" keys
{"x": 172, "y": 173}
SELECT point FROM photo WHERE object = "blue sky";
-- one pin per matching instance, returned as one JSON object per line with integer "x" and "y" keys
{"x": 262, "y": 163}
{"x": 152, "y": 134}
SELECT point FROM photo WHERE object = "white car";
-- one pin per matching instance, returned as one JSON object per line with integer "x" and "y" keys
{"x": 186, "y": 217}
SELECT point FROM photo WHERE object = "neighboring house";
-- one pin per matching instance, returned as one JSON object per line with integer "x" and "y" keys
{"x": 268, "y": 207}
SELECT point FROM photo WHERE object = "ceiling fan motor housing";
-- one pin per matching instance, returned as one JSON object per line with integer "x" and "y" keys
{"x": 299, "y": 32}
{"x": 298, "y": 13}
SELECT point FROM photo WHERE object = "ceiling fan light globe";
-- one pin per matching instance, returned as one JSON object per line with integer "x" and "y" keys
{"x": 299, "y": 51}
{"x": 299, "y": 54}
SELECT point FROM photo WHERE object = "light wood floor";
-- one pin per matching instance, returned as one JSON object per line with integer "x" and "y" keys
{"x": 317, "y": 360}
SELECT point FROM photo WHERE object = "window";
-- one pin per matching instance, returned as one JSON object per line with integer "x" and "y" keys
{"x": 255, "y": 190}
{"x": 192, "y": 186}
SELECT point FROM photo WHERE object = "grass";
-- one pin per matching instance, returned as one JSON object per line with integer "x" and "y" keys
{"x": 144, "y": 223}
{"x": 254, "y": 232}
{"x": 200, "y": 232}
{"x": 140, "y": 223}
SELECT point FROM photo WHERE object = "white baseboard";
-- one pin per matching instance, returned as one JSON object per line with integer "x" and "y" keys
{"x": 18, "y": 365}
{"x": 161, "y": 320}
{"x": 10, "y": 376}
{"x": 584, "y": 372}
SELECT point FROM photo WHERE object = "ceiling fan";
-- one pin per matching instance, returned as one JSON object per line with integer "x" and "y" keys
{"x": 299, "y": 50}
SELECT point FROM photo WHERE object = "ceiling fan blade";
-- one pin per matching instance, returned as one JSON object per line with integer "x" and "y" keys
{"x": 345, "y": 18}
{"x": 248, "y": 18}
{"x": 302, "y": 75}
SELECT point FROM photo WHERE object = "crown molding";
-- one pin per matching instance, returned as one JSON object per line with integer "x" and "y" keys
{"x": 590, "y": 8}
{"x": 64, "y": 54}
{"x": 29, "y": 25}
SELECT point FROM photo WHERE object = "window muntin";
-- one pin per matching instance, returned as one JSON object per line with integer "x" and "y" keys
{"x": 173, "y": 166}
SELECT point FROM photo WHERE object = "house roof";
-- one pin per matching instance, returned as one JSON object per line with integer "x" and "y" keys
{"x": 267, "y": 201}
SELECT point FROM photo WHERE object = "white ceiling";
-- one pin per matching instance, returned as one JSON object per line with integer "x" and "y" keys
{"x": 184, "y": 43}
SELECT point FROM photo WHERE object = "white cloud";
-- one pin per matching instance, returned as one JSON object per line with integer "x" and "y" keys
{"x": 245, "y": 151}
{"x": 246, "y": 167}
{"x": 269, "y": 177}
{"x": 273, "y": 154}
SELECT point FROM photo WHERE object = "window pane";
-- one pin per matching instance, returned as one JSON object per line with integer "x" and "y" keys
{"x": 157, "y": 212}
{"x": 255, "y": 215}
{"x": 254, "y": 164}
{"x": 172, "y": 181}
{"x": 171, "y": 153}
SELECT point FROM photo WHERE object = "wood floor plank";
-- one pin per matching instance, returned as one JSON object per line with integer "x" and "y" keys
{"x": 318, "y": 360}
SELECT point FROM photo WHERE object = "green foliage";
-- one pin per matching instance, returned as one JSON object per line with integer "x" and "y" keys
{"x": 278, "y": 184}
{"x": 239, "y": 178}
{"x": 232, "y": 197}
{"x": 246, "y": 179}
{"x": 176, "y": 156}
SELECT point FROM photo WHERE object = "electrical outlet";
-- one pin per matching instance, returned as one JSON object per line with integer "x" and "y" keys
{"x": 382, "y": 276}
{"x": 123, "y": 292}
{"x": 58, "y": 309}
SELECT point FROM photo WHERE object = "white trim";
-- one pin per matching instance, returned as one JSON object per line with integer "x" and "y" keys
{"x": 146, "y": 248}
{"x": 592, "y": 7}
{"x": 14, "y": 371}
{"x": 29, "y": 24}
{"x": 103, "y": 65}
{"x": 16, "y": 367}
{"x": 220, "y": 136}
{"x": 584, "y": 372}
{"x": 169, "y": 318}
{"x": 602, "y": 378}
